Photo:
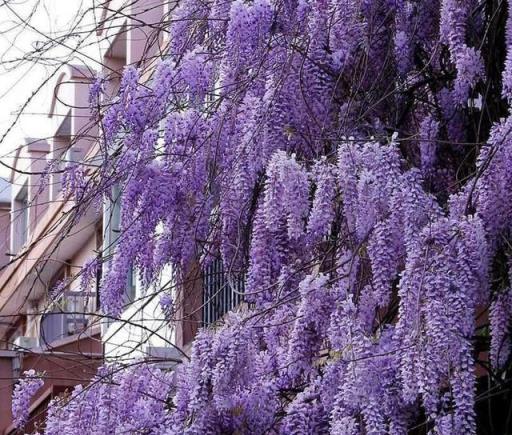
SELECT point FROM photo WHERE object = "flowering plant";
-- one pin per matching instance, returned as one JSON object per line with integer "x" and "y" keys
{"x": 330, "y": 152}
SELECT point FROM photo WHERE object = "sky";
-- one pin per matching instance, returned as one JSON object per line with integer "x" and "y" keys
{"x": 21, "y": 74}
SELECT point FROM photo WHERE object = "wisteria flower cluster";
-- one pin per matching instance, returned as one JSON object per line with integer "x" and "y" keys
{"x": 116, "y": 401}
{"x": 28, "y": 385}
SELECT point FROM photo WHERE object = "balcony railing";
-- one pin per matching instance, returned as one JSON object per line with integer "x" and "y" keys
{"x": 67, "y": 317}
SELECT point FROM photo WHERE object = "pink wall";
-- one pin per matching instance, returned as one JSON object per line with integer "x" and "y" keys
{"x": 143, "y": 41}
{"x": 6, "y": 382}
{"x": 37, "y": 196}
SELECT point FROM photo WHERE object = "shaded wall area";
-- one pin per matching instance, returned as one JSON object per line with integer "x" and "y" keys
{"x": 72, "y": 362}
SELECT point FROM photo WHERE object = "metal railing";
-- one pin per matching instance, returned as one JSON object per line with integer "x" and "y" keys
{"x": 68, "y": 316}
{"x": 221, "y": 292}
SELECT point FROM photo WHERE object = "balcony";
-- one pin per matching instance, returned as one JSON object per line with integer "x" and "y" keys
{"x": 68, "y": 316}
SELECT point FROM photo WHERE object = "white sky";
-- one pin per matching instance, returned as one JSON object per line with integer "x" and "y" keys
{"x": 19, "y": 79}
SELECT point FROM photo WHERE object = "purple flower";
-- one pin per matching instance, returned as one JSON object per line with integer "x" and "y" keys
{"x": 24, "y": 391}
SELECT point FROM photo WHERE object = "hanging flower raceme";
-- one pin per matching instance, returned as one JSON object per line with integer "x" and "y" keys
{"x": 128, "y": 400}
{"x": 286, "y": 195}
{"x": 24, "y": 392}
{"x": 467, "y": 60}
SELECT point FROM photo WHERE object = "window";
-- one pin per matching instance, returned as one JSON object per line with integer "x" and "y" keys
{"x": 221, "y": 292}
{"x": 20, "y": 220}
{"x": 24, "y": 221}
{"x": 99, "y": 269}
{"x": 111, "y": 221}
{"x": 61, "y": 143}
{"x": 111, "y": 232}
{"x": 131, "y": 285}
